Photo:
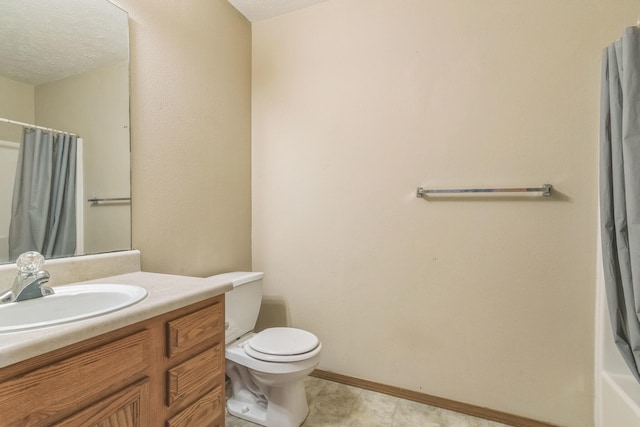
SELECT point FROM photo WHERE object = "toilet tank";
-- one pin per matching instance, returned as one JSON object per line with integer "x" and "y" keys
{"x": 242, "y": 304}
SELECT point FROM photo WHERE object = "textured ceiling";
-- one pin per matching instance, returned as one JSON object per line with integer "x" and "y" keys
{"x": 45, "y": 40}
{"x": 256, "y": 10}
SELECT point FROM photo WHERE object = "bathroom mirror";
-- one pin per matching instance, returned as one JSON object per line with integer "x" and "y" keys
{"x": 64, "y": 64}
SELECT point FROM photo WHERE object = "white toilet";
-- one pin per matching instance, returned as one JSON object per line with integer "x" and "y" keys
{"x": 266, "y": 369}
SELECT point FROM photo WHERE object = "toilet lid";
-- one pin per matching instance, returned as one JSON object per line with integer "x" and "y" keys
{"x": 283, "y": 342}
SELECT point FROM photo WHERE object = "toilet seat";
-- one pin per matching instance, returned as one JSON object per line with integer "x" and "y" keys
{"x": 282, "y": 345}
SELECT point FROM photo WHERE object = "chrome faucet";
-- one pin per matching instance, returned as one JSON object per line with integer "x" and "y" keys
{"x": 30, "y": 280}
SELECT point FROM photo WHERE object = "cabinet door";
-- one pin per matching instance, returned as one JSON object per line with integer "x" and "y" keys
{"x": 46, "y": 394}
{"x": 208, "y": 411}
{"x": 195, "y": 376}
{"x": 126, "y": 408}
{"x": 194, "y": 329}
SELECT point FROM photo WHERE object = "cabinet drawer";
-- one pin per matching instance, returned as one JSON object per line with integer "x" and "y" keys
{"x": 126, "y": 408}
{"x": 205, "y": 412}
{"x": 195, "y": 376}
{"x": 193, "y": 329}
{"x": 44, "y": 395}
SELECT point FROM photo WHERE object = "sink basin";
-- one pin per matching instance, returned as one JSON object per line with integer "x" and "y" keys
{"x": 68, "y": 304}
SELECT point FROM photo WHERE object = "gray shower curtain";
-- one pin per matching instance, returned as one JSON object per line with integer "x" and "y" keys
{"x": 620, "y": 191}
{"x": 43, "y": 214}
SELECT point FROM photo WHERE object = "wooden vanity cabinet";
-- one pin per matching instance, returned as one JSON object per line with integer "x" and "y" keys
{"x": 165, "y": 371}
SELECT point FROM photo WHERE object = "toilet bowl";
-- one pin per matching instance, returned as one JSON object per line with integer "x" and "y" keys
{"x": 269, "y": 392}
{"x": 266, "y": 369}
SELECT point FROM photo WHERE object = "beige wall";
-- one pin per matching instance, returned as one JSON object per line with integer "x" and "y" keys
{"x": 358, "y": 102}
{"x": 16, "y": 103}
{"x": 190, "y": 128}
{"x": 69, "y": 104}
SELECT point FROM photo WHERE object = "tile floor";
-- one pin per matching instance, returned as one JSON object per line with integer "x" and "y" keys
{"x": 337, "y": 405}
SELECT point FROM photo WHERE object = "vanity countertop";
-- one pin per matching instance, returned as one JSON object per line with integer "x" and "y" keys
{"x": 166, "y": 293}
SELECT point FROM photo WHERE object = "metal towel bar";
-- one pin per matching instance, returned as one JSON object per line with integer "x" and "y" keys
{"x": 545, "y": 190}
{"x": 112, "y": 199}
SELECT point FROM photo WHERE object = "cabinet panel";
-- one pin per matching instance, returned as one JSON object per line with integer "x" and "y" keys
{"x": 205, "y": 412}
{"x": 42, "y": 395}
{"x": 195, "y": 376}
{"x": 126, "y": 408}
{"x": 193, "y": 329}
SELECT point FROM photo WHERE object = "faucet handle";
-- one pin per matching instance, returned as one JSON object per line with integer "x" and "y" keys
{"x": 30, "y": 262}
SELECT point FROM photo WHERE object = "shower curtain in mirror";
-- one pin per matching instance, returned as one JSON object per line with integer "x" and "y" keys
{"x": 620, "y": 191}
{"x": 43, "y": 206}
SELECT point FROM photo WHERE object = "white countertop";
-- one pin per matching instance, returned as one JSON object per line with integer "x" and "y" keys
{"x": 166, "y": 293}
